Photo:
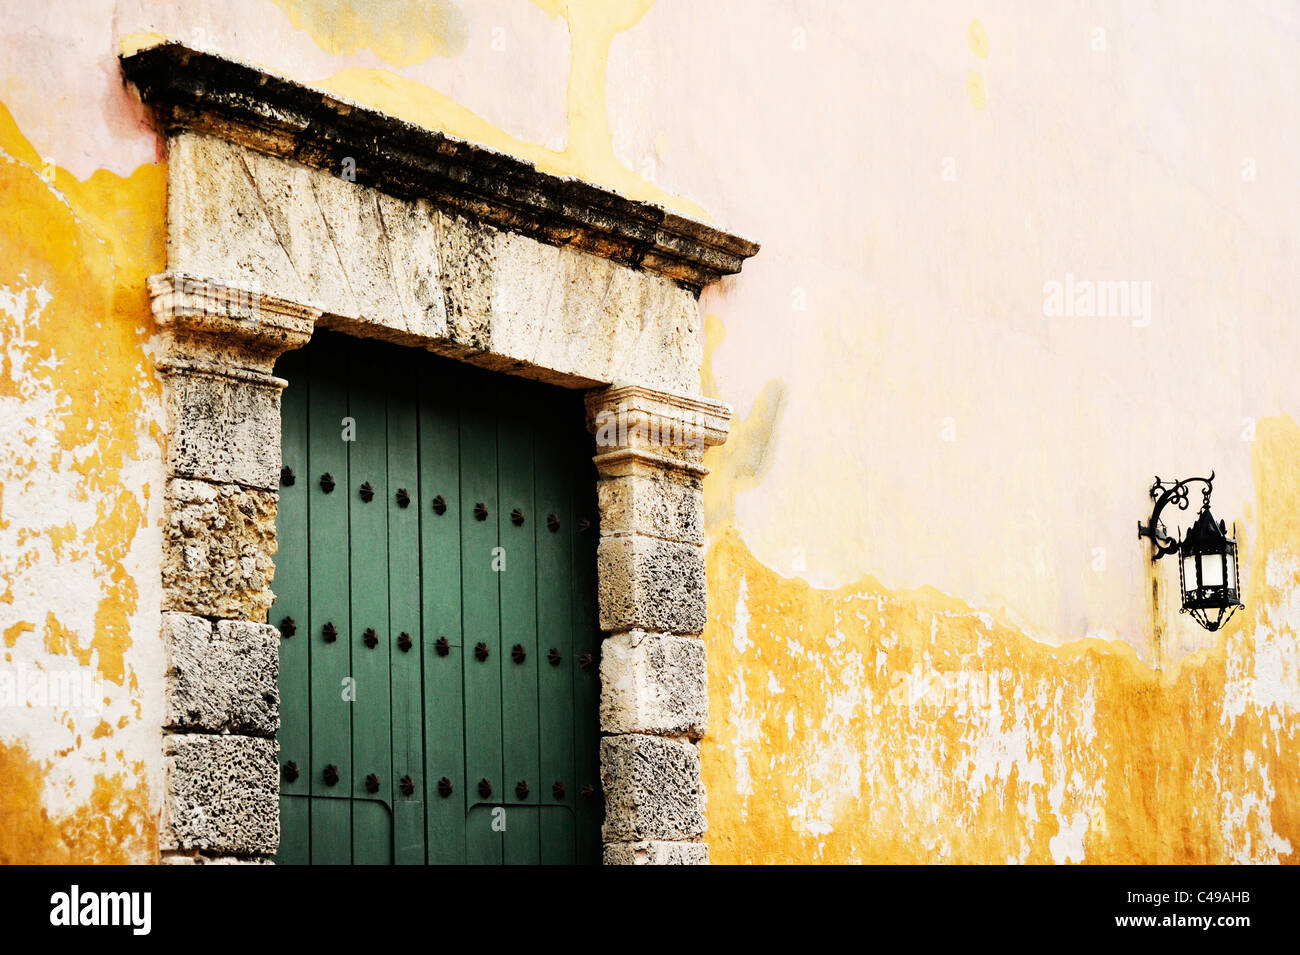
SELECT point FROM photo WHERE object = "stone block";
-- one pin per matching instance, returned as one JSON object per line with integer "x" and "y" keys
{"x": 308, "y": 235}
{"x": 223, "y": 430}
{"x": 565, "y": 309}
{"x": 653, "y": 683}
{"x": 222, "y": 679}
{"x": 650, "y": 584}
{"x": 652, "y": 789}
{"x": 214, "y": 860}
{"x": 656, "y": 853}
{"x": 218, "y": 545}
{"x": 222, "y": 795}
{"x": 654, "y": 503}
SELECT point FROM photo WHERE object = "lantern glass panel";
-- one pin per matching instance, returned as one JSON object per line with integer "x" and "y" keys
{"x": 1231, "y": 561}
{"x": 1211, "y": 570}
{"x": 1189, "y": 573}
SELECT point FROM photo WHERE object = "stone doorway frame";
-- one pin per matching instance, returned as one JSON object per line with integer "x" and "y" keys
{"x": 289, "y": 209}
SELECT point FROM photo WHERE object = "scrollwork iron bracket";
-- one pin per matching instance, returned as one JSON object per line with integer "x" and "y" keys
{"x": 1165, "y": 493}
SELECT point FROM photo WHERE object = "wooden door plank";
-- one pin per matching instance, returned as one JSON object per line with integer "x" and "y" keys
{"x": 331, "y": 665}
{"x": 403, "y": 503}
{"x": 290, "y": 613}
{"x": 554, "y": 540}
{"x": 370, "y": 636}
{"x": 440, "y": 508}
{"x": 516, "y": 573}
{"x": 481, "y": 615}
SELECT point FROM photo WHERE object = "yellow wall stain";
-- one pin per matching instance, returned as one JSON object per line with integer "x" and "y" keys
{"x": 74, "y": 333}
{"x": 589, "y": 153}
{"x": 978, "y": 39}
{"x": 593, "y": 24}
{"x": 402, "y": 32}
{"x": 15, "y": 630}
{"x": 870, "y": 725}
{"x": 113, "y": 826}
{"x": 60, "y": 642}
{"x": 975, "y": 90}
{"x": 865, "y": 724}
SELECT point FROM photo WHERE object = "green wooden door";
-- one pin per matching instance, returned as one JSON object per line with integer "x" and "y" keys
{"x": 435, "y": 587}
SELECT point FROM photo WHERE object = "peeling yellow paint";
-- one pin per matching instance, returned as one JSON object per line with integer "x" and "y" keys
{"x": 870, "y": 725}
{"x": 81, "y": 400}
{"x": 114, "y": 826}
{"x": 865, "y": 724}
{"x": 14, "y": 631}
{"x": 97, "y": 242}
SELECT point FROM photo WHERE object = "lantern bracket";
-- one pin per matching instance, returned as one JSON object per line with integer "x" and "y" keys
{"x": 1165, "y": 493}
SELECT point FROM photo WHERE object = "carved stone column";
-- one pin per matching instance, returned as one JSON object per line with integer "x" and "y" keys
{"x": 220, "y": 344}
{"x": 650, "y": 566}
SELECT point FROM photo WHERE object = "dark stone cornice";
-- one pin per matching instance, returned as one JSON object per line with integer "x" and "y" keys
{"x": 190, "y": 89}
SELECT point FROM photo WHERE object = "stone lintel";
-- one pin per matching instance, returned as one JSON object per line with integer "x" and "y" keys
{"x": 195, "y": 90}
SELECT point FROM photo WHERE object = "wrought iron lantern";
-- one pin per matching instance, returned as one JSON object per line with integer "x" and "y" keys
{"x": 1207, "y": 565}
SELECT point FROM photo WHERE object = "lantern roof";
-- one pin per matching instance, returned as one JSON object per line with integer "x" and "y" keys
{"x": 1206, "y": 536}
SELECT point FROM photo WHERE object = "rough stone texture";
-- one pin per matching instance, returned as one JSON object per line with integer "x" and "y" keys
{"x": 408, "y": 272}
{"x": 170, "y": 859}
{"x": 218, "y": 327}
{"x": 223, "y": 430}
{"x": 676, "y": 425}
{"x": 653, "y": 683}
{"x": 656, "y": 853}
{"x": 217, "y": 550}
{"x": 652, "y": 789}
{"x": 222, "y": 795}
{"x": 584, "y": 316}
{"x": 650, "y": 584}
{"x": 467, "y": 252}
{"x": 304, "y": 234}
{"x": 222, "y": 679}
{"x": 653, "y": 502}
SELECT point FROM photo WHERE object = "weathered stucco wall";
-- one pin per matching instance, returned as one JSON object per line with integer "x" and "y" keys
{"x": 80, "y": 732}
{"x": 929, "y": 633}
